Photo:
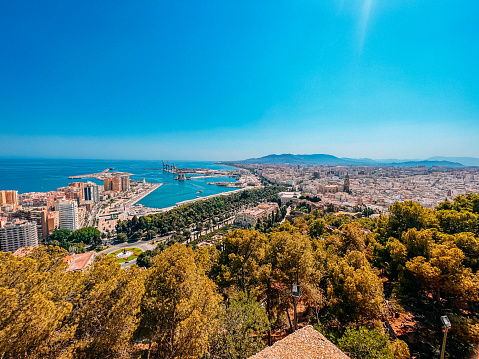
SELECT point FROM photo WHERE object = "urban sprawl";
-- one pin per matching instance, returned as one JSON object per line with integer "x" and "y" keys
{"x": 27, "y": 219}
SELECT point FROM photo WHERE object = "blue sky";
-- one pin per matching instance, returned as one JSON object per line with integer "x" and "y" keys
{"x": 225, "y": 80}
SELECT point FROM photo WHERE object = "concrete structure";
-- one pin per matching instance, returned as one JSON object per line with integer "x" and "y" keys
{"x": 107, "y": 184}
{"x": 116, "y": 184}
{"x": 9, "y": 197}
{"x": 37, "y": 215}
{"x": 287, "y": 197}
{"x": 18, "y": 234}
{"x": 53, "y": 221}
{"x": 249, "y": 217}
{"x": 67, "y": 214}
{"x": 113, "y": 184}
{"x": 91, "y": 192}
{"x": 125, "y": 183}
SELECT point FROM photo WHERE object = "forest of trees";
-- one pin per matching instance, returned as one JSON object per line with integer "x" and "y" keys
{"x": 75, "y": 241}
{"x": 207, "y": 303}
{"x": 196, "y": 215}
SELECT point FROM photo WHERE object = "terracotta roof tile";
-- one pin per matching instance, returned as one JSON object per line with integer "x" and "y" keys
{"x": 305, "y": 343}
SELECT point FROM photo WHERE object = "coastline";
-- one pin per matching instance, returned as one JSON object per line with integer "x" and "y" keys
{"x": 150, "y": 210}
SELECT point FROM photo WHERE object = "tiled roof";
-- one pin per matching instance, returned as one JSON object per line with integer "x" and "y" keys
{"x": 305, "y": 343}
{"x": 79, "y": 261}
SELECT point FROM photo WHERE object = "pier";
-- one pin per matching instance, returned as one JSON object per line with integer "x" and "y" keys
{"x": 102, "y": 175}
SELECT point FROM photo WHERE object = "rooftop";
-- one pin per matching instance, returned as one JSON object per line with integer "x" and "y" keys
{"x": 79, "y": 261}
{"x": 305, "y": 343}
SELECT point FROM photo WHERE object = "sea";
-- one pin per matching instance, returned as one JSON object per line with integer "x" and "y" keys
{"x": 43, "y": 175}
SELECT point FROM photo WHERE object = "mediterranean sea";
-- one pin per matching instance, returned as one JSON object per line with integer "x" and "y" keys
{"x": 43, "y": 175}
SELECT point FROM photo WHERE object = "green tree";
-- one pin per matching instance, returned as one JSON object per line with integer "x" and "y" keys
{"x": 87, "y": 235}
{"x": 35, "y": 299}
{"x": 452, "y": 222}
{"x": 362, "y": 343}
{"x": 240, "y": 326}
{"x": 59, "y": 235}
{"x": 106, "y": 316}
{"x": 407, "y": 215}
{"x": 239, "y": 263}
{"x": 355, "y": 292}
{"x": 317, "y": 227}
{"x": 180, "y": 305}
{"x": 122, "y": 237}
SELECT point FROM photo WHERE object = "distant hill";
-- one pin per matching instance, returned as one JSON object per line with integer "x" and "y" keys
{"x": 466, "y": 161}
{"x": 427, "y": 163}
{"x": 330, "y": 160}
{"x": 317, "y": 159}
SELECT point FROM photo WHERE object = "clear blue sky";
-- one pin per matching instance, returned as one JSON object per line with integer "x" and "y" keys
{"x": 224, "y": 80}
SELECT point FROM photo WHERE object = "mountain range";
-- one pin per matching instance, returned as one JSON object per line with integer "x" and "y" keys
{"x": 330, "y": 160}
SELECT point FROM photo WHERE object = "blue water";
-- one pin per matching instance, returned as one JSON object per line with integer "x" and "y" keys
{"x": 42, "y": 175}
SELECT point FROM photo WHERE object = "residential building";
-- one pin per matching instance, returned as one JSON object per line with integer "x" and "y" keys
{"x": 91, "y": 192}
{"x": 249, "y": 217}
{"x": 67, "y": 214}
{"x": 125, "y": 183}
{"x": 107, "y": 184}
{"x": 9, "y": 197}
{"x": 17, "y": 234}
{"x": 286, "y": 197}
{"x": 53, "y": 221}
{"x": 116, "y": 184}
{"x": 37, "y": 215}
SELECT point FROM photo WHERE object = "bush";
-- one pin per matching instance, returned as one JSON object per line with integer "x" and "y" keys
{"x": 362, "y": 343}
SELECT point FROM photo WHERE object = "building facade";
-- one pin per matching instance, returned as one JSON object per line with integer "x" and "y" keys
{"x": 67, "y": 214}
{"x": 249, "y": 217}
{"x": 91, "y": 192}
{"x": 18, "y": 234}
{"x": 125, "y": 183}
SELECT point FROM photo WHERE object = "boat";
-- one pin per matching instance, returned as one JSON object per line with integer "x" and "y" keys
{"x": 200, "y": 191}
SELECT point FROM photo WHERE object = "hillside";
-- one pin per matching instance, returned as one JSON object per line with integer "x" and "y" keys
{"x": 330, "y": 160}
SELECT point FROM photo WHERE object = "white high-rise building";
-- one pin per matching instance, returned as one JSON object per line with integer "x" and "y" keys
{"x": 18, "y": 234}
{"x": 67, "y": 214}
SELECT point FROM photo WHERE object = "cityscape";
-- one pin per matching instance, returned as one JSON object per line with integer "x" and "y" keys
{"x": 239, "y": 179}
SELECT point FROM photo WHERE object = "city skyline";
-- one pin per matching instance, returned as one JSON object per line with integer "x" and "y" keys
{"x": 237, "y": 80}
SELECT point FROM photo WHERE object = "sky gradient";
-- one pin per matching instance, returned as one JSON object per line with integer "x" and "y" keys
{"x": 226, "y": 80}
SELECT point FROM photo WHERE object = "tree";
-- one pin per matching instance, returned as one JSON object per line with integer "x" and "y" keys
{"x": 400, "y": 349}
{"x": 240, "y": 326}
{"x": 397, "y": 254}
{"x": 122, "y": 237}
{"x": 317, "y": 227}
{"x": 150, "y": 234}
{"x": 87, "y": 235}
{"x": 355, "y": 292}
{"x": 418, "y": 243}
{"x": 291, "y": 259}
{"x": 352, "y": 238}
{"x": 444, "y": 273}
{"x": 180, "y": 305}
{"x": 59, "y": 235}
{"x": 407, "y": 215}
{"x": 107, "y": 315}
{"x": 452, "y": 222}
{"x": 362, "y": 343}
{"x": 35, "y": 299}
{"x": 239, "y": 263}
